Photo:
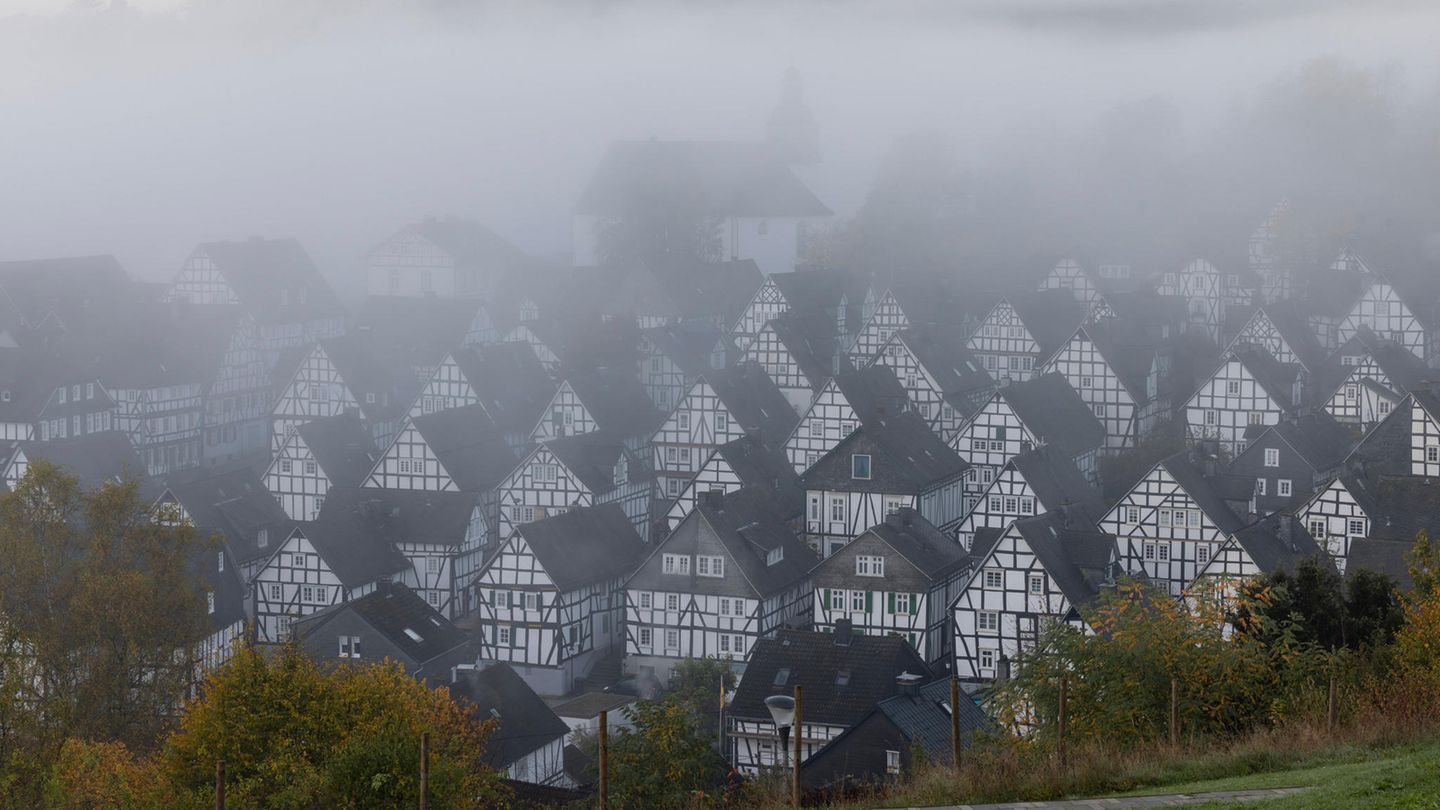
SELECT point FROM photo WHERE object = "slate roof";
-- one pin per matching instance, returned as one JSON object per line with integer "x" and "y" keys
{"x": 1278, "y": 542}
{"x": 1386, "y": 449}
{"x": 616, "y": 400}
{"x": 585, "y": 545}
{"x": 1400, "y": 507}
{"x": 358, "y": 529}
{"x": 1057, "y": 482}
{"x": 819, "y": 662}
{"x": 1403, "y": 369}
{"x": 1052, "y": 410}
{"x": 810, "y": 339}
{"x": 148, "y": 346}
{"x": 392, "y": 609}
{"x": 766, "y": 468}
{"x": 234, "y": 504}
{"x": 911, "y": 458}
{"x": 942, "y": 352}
{"x": 753, "y": 400}
{"x": 1212, "y": 492}
{"x": 934, "y": 553}
{"x": 590, "y": 704}
{"x": 468, "y": 445}
{"x": 470, "y": 244}
{"x": 525, "y": 722}
{"x": 366, "y": 370}
{"x": 258, "y": 270}
{"x": 1386, "y": 557}
{"x": 342, "y": 447}
{"x": 73, "y": 288}
{"x": 675, "y": 289}
{"x": 1051, "y": 317}
{"x": 723, "y": 178}
{"x": 689, "y": 345}
{"x": 873, "y": 392}
{"x": 591, "y": 457}
{"x": 1289, "y": 322}
{"x": 1277, "y": 378}
{"x": 1128, "y": 350}
{"x": 509, "y": 383}
{"x": 1078, "y": 557}
{"x": 1317, "y": 437}
{"x": 94, "y": 459}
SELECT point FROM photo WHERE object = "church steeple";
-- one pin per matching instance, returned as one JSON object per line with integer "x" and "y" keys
{"x": 792, "y": 129}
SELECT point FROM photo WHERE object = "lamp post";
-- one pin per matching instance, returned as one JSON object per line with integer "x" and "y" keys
{"x": 782, "y": 711}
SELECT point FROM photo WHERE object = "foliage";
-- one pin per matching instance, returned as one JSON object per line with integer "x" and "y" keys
{"x": 100, "y": 609}
{"x": 1119, "y": 676}
{"x": 696, "y": 683}
{"x": 295, "y": 736}
{"x": 1317, "y": 607}
{"x": 1423, "y": 562}
{"x": 107, "y": 774}
{"x": 665, "y": 218}
{"x": 666, "y": 759}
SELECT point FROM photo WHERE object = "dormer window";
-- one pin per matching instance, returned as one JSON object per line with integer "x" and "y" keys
{"x": 775, "y": 555}
{"x": 860, "y": 466}
{"x": 262, "y": 538}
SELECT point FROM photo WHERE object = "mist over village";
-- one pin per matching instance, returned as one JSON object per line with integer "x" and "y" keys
{"x": 619, "y": 404}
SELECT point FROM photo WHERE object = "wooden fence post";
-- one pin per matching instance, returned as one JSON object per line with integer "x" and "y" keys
{"x": 604, "y": 760}
{"x": 1175, "y": 712}
{"x": 955, "y": 720}
{"x": 1060, "y": 725}
{"x": 220, "y": 785}
{"x": 798, "y": 729}
{"x": 1331, "y": 708}
{"x": 424, "y": 770}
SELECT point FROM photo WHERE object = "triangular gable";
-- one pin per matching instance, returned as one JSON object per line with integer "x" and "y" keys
{"x": 1157, "y": 490}
{"x": 409, "y": 463}
{"x": 565, "y": 397}
{"x": 447, "y": 388}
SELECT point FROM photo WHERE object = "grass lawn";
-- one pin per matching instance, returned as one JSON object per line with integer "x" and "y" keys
{"x": 1401, "y": 777}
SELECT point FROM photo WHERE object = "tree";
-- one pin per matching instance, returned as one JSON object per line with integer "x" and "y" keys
{"x": 662, "y": 218}
{"x": 666, "y": 759}
{"x": 292, "y": 735}
{"x": 697, "y": 683}
{"x": 100, "y": 609}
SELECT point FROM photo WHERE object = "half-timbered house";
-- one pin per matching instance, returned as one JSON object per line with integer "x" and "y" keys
{"x": 844, "y": 403}
{"x": 505, "y": 380}
{"x": 1293, "y": 458}
{"x": 1352, "y": 295}
{"x": 1280, "y": 329}
{"x": 1209, "y": 294}
{"x": 1248, "y": 390}
{"x": 744, "y": 462}
{"x": 1275, "y": 543}
{"x": 799, "y": 351}
{"x": 844, "y": 674}
{"x": 673, "y": 356}
{"x": 1122, "y": 373}
{"x": 899, "y": 578}
{"x": 528, "y": 742}
{"x": 334, "y": 451}
{"x": 720, "y": 407}
{"x": 391, "y": 623}
{"x": 1045, "y": 411}
{"x": 342, "y": 375}
{"x": 890, "y": 463}
{"x": 731, "y": 573}
{"x": 1036, "y": 573}
{"x": 1174, "y": 519}
{"x": 445, "y": 258}
{"x": 945, "y": 383}
{"x": 94, "y": 460}
{"x": 608, "y": 399}
{"x": 1031, "y": 483}
{"x": 1367, "y": 378}
{"x": 233, "y": 505}
{"x": 1024, "y": 330}
{"x": 551, "y": 598}
{"x": 584, "y": 470}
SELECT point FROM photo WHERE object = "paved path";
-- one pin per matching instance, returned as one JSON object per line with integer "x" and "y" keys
{"x": 1131, "y": 802}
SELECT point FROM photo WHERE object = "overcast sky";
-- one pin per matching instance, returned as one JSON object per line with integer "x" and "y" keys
{"x": 144, "y": 130}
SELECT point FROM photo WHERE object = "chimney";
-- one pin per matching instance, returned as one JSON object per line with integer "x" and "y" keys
{"x": 715, "y": 499}
{"x": 843, "y": 630}
{"x": 907, "y": 684}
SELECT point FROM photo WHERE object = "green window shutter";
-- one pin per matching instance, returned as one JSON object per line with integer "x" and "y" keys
{"x": 914, "y": 603}
{"x": 825, "y": 598}
{"x": 868, "y": 603}
{"x": 890, "y": 602}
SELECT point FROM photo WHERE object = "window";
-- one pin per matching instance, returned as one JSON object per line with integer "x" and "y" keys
{"x": 722, "y": 422}
{"x": 817, "y": 429}
{"x": 647, "y": 638}
{"x": 645, "y": 600}
{"x": 737, "y": 645}
{"x": 433, "y": 599}
{"x": 1283, "y": 487}
{"x": 1212, "y": 418}
{"x": 432, "y": 565}
{"x": 1232, "y": 388}
{"x": 837, "y": 509}
{"x": 1087, "y": 382}
{"x": 902, "y": 604}
{"x": 285, "y": 465}
{"x": 1132, "y": 514}
{"x": 672, "y": 601}
{"x": 1356, "y": 528}
{"x": 682, "y": 420}
{"x": 672, "y": 639}
{"x": 1432, "y": 454}
{"x": 63, "y": 391}
{"x": 502, "y": 636}
{"x": 867, "y": 565}
{"x": 860, "y": 466}
{"x": 1352, "y": 392}
{"x": 1257, "y": 417}
{"x": 993, "y": 503}
{"x": 307, "y": 593}
{"x": 1149, "y": 551}
{"x": 1272, "y": 457}
{"x": 543, "y": 473}
{"x": 262, "y": 538}
{"x": 724, "y": 643}
{"x": 1012, "y": 504}
{"x": 775, "y": 555}
{"x": 209, "y": 602}
{"x": 1260, "y": 486}
{"x": 892, "y": 763}
{"x": 676, "y": 564}
{"x": 724, "y": 606}
{"x": 349, "y": 646}
{"x": 220, "y": 561}
{"x": 532, "y": 601}
{"x": 709, "y": 566}
{"x": 988, "y": 621}
{"x": 1317, "y": 528}
{"x": 1202, "y": 554}
{"x": 1163, "y": 550}
{"x": 987, "y": 660}
{"x": 1099, "y": 410}
{"x": 1037, "y": 584}
{"x": 309, "y": 468}
{"x": 994, "y": 580}
{"x": 857, "y": 600}
{"x": 275, "y": 593}
{"x": 672, "y": 487}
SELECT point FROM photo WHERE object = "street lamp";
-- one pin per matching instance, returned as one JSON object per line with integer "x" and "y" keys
{"x": 782, "y": 711}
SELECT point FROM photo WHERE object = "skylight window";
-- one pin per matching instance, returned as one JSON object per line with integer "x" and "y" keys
{"x": 413, "y": 636}
{"x": 782, "y": 676}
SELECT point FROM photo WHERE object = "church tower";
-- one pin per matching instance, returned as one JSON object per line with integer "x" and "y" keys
{"x": 792, "y": 129}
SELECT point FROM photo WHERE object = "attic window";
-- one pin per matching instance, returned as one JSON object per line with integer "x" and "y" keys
{"x": 775, "y": 555}
{"x": 413, "y": 636}
{"x": 782, "y": 676}
{"x": 860, "y": 466}
{"x": 842, "y": 677}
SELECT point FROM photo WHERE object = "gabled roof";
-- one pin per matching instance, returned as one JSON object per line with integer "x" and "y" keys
{"x": 810, "y": 338}
{"x": 817, "y": 290}
{"x": 689, "y": 345}
{"x": 1402, "y": 368}
{"x": 873, "y": 392}
{"x": 358, "y": 529}
{"x": 753, "y": 400}
{"x": 942, "y": 352}
{"x": 585, "y": 545}
{"x": 400, "y": 616}
{"x": 468, "y": 445}
{"x": 591, "y": 457}
{"x": 616, "y": 400}
{"x": 1128, "y": 349}
{"x": 368, "y": 371}
{"x": 749, "y": 524}
{"x": 912, "y": 458}
{"x": 1277, "y": 378}
{"x": 342, "y": 447}
{"x": 264, "y": 272}
{"x": 1400, "y": 507}
{"x": 933, "y": 553}
{"x": 721, "y": 178}
{"x": 1212, "y": 491}
{"x": 1057, "y": 482}
{"x": 1078, "y": 557}
{"x": 922, "y": 716}
{"x": 526, "y": 723}
{"x": 1278, "y": 542}
{"x": 1051, "y": 410}
{"x": 94, "y": 459}
{"x": 236, "y": 505}
{"x": 71, "y": 287}
{"x": 844, "y": 673}
{"x": 470, "y": 244}
{"x": 1387, "y": 557}
{"x": 1289, "y": 322}
{"x": 1386, "y": 449}
{"x": 1051, "y": 317}
{"x": 509, "y": 382}
{"x": 766, "y": 467}
{"x": 1317, "y": 437}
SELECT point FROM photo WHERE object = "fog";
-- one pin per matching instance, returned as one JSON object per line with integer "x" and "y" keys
{"x": 141, "y": 130}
